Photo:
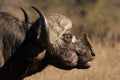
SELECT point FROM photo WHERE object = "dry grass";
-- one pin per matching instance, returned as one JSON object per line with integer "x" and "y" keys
{"x": 106, "y": 66}
{"x": 102, "y": 22}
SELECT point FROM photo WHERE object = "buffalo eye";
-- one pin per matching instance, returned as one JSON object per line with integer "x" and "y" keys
{"x": 67, "y": 37}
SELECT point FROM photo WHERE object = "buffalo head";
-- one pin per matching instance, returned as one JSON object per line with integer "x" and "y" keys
{"x": 63, "y": 48}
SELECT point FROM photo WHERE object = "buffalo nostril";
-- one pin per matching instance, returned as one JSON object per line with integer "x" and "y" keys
{"x": 93, "y": 54}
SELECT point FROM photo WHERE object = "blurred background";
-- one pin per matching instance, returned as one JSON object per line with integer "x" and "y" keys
{"x": 99, "y": 18}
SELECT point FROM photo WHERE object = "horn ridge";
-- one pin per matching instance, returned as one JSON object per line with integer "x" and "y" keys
{"x": 25, "y": 16}
{"x": 44, "y": 26}
{"x": 42, "y": 16}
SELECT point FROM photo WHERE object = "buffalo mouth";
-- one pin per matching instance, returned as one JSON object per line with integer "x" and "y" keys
{"x": 83, "y": 65}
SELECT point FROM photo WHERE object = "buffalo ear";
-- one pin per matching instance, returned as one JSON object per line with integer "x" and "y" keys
{"x": 40, "y": 56}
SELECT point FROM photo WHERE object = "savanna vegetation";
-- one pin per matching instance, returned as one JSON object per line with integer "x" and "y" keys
{"x": 99, "y": 18}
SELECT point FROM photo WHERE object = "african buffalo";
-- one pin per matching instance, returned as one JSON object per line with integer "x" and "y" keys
{"x": 26, "y": 48}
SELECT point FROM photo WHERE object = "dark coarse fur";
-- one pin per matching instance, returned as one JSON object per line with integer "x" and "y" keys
{"x": 12, "y": 34}
{"x": 19, "y": 45}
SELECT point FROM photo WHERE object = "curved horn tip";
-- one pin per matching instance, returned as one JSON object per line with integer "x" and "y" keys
{"x": 41, "y": 14}
{"x": 38, "y": 11}
{"x": 25, "y": 15}
{"x": 23, "y": 10}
